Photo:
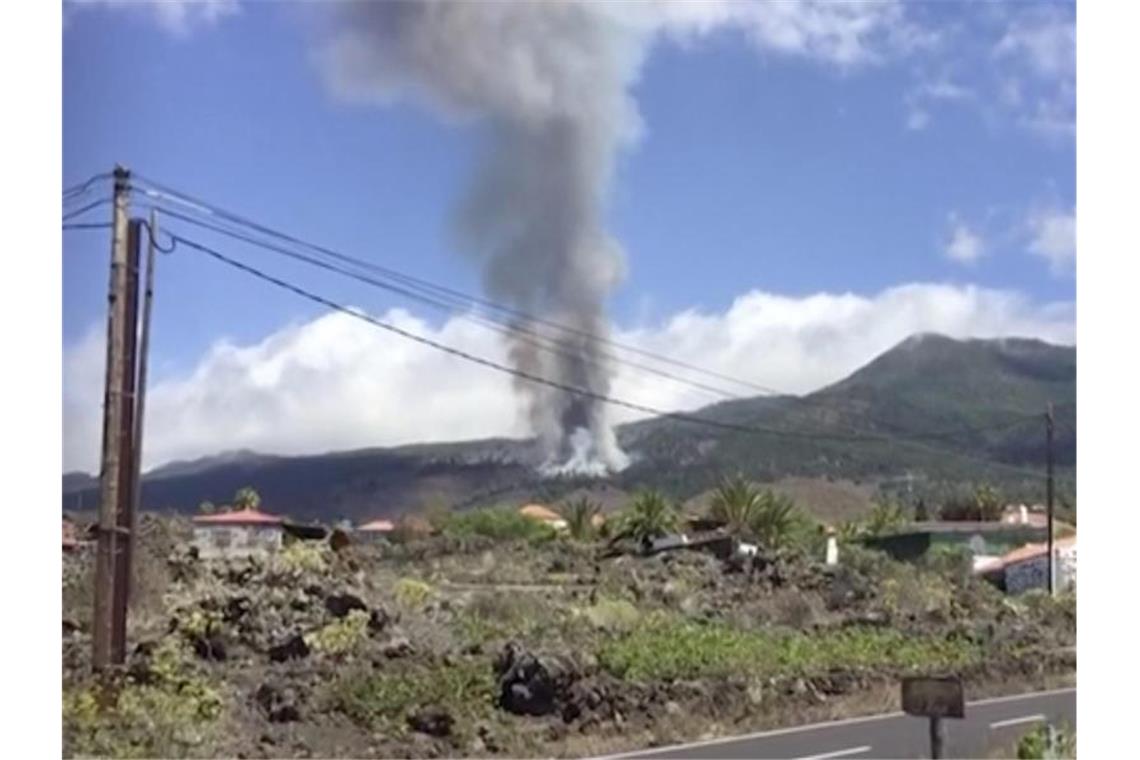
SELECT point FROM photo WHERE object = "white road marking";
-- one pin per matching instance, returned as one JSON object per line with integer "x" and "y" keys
{"x": 822, "y": 724}
{"x": 840, "y": 753}
{"x": 1018, "y": 721}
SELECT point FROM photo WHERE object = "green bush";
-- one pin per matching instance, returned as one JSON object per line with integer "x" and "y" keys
{"x": 650, "y": 515}
{"x": 579, "y": 515}
{"x": 1035, "y": 744}
{"x": 168, "y": 715}
{"x": 381, "y": 700}
{"x": 341, "y": 636}
{"x": 412, "y": 593}
{"x": 498, "y": 523}
{"x": 668, "y": 649}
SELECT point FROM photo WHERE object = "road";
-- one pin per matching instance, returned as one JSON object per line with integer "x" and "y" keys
{"x": 989, "y": 723}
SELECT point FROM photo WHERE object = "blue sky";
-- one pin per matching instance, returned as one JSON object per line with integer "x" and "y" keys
{"x": 767, "y": 163}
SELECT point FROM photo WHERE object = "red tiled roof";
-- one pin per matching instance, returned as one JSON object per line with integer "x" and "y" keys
{"x": 378, "y": 526}
{"x": 539, "y": 512}
{"x": 241, "y": 517}
{"x": 1025, "y": 553}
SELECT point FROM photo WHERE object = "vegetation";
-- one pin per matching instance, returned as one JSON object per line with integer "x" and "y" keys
{"x": 341, "y": 637}
{"x": 984, "y": 504}
{"x": 580, "y": 515}
{"x": 667, "y": 648}
{"x": 886, "y": 516}
{"x": 379, "y": 701}
{"x": 207, "y": 508}
{"x": 247, "y": 498}
{"x": 412, "y": 593}
{"x": 168, "y": 713}
{"x": 735, "y": 502}
{"x": 1035, "y": 744}
{"x": 498, "y": 523}
{"x": 776, "y": 521}
{"x": 650, "y": 515}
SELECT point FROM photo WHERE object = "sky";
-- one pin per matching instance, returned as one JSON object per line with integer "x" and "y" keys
{"x": 803, "y": 185}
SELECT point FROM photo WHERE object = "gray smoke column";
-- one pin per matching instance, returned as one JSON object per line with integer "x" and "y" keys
{"x": 547, "y": 83}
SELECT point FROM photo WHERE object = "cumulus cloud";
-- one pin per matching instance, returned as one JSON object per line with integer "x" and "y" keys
{"x": 1053, "y": 237}
{"x": 177, "y": 17}
{"x": 338, "y": 383}
{"x": 965, "y": 245}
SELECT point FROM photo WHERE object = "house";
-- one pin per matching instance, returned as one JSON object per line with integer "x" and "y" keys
{"x": 544, "y": 515}
{"x": 1028, "y": 567}
{"x": 375, "y": 530}
{"x": 241, "y": 533}
{"x": 70, "y": 542}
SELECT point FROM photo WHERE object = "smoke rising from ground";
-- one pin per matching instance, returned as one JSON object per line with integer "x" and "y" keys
{"x": 547, "y": 82}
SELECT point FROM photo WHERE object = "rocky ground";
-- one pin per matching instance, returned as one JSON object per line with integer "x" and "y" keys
{"x": 473, "y": 647}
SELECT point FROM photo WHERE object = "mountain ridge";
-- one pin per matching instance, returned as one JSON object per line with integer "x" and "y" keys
{"x": 966, "y": 389}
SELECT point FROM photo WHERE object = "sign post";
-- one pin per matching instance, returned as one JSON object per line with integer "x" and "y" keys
{"x": 934, "y": 698}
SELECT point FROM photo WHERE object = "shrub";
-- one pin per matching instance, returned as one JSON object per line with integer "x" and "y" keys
{"x": 499, "y": 523}
{"x": 579, "y": 516}
{"x": 304, "y": 557}
{"x": 775, "y": 520}
{"x": 612, "y": 614}
{"x": 1035, "y": 744}
{"x": 341, "y": 636}
{"x": 167, "y": 716}
{"x": 379, "y": 701}
{"x": 667, "y": 649}
{"x": 648, "y": 516}
{"x": 412, "y": 593}
{"x": 735, "y": 502}
{"x": 885, "y": 517}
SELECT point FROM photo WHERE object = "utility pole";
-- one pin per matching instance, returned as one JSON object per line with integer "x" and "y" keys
{"x": 1049, "y": 495}
{"x": 113, "y": 412}
{"x": 140, "y": 389}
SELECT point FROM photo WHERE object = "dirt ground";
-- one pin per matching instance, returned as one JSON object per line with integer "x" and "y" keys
{"x": 444, "y": 647}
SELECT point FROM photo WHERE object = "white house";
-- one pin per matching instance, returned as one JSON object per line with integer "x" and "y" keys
{"x": 235, "y": 534}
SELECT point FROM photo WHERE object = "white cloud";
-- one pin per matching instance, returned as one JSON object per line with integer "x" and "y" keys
{"x": 965, "y": 246}
{"x": 339, "y": 383}
{"x": 1053, "y": 237}
{"x": 176, "y": 17}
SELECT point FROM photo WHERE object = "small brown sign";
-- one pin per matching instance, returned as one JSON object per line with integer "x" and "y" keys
{"x": 934, "y": 697}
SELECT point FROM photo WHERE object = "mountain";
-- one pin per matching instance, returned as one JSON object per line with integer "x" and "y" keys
{"x": 942, "y": 413}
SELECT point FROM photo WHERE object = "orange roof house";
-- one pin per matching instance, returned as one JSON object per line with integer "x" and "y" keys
{"x": 377, "y": 526}
{"x": 242, "y": 517}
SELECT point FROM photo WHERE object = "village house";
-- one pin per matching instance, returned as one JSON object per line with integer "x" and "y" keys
{"x": 1028, "y": 567}
{"x": 241, "y": 533}
{"x": 375, "y": 531}
{"x": 544, "y": 515}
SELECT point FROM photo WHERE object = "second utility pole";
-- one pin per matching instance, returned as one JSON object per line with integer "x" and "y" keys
{"x": 1049, "y": 495}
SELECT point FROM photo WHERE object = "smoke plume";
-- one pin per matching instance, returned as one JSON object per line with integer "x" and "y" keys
{"x": 547, "y": 84}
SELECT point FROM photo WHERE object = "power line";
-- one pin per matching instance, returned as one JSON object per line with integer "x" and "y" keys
{"x": 162, "y": 192}
{"x": 85, "y": 209}
{"x": 82, "y": 187}
{"x": 88, "y": 226}
{"x": 452, "y": 305}
{"x": 514, "y": 331}
{"x": 679, "y": 416}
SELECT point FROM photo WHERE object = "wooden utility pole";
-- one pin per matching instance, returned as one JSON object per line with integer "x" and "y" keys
{"x": 113, "y": 412}
{"x": 937, "y": 737}
{"x": 1049, "y": 495}
{"x": 140, "y": 394}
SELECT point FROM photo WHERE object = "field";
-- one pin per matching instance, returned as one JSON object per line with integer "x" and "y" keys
{"x": 486, "y": 643}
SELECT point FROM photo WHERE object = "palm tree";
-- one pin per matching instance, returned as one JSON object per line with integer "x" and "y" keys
{"x": 774, "y": 520}
{"x": 207, "y": 508}
{"x": 735, "y": 502}
{"x": 648, "y": 516}
{"x": 579, "y": 515}
{"x": 885, "y": 516}
{"x": 988, "y": 502}
{"x": 247, "y": 498}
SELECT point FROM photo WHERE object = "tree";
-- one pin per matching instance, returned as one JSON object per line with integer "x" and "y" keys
{"x": 247, "y": 498}
{"x": 886, "y": 515}
{"x": 775, "y": 519}
{"x": 207, "y": 508}
{"x": 648, "y": 516}
{"x": 735, "y": 502}
{"x": 920, "y": 512}
{"x": 579, "y": 515}
{"x": 988, "y": 502}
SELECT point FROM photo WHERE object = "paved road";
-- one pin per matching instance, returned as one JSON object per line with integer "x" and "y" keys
{"x": 989, "y": 723}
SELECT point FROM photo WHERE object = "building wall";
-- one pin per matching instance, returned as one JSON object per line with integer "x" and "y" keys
{"x": 236, "y": 540}
{"x": 1034, "y": 573}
